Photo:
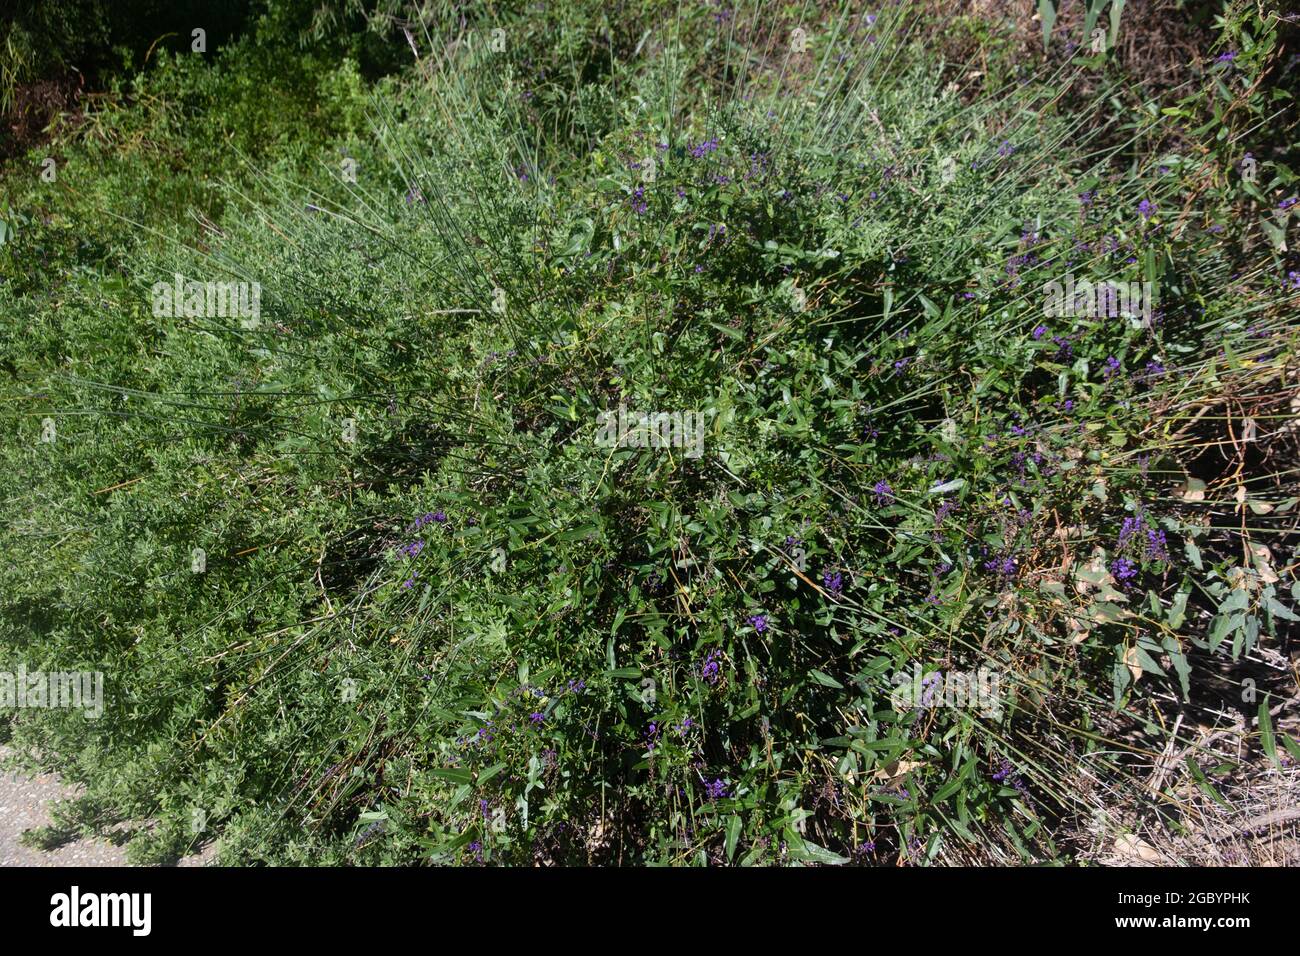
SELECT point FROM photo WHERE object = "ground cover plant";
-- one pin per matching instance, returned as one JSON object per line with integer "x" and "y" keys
{"x": 674, "y": 435}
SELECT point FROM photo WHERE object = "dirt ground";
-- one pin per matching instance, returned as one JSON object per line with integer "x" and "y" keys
{"x": 24, "y": 804}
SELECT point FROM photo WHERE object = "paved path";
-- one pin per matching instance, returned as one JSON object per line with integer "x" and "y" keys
{"x": 24, "y": 803}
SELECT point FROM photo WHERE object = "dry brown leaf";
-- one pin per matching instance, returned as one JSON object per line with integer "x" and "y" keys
{"x": 898, "y": 768}
{"x": 1136, "y": 848}
{"x": 1131, "y": 659}
{"x": 1264, "y": 563}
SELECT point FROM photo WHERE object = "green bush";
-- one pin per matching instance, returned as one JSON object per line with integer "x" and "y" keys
{"x": 438, "y": 620}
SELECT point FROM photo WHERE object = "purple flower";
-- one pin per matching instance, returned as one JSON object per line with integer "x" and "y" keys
{"x": 1039, "y": 332}
{"x": 1122, "y": 569}
{"x": 710, "y": 671}
{"x": 1007, "y": 774}
{"x": 1006, "y": 149}
{"x": 440, "y": 517}
{"x": 1006, "y": 566}
{"x": 716, "y": 790}
{"x": 1127, "y": 530}
{"x": 1112, "y": 368}
{"x": 759, "y": 621}
{"x": 1288, "y": 203}
{"x": 882, "y": 492}
{"x": 704, "y": 148}
{"x": 1157, "y": 546}
{"x": 638, "y": 202}
{"x": 1146, "y": 209}
{"x": 1226, "y": 57}
{"x": 833, "y": 581}
{"x": 537, "y": 717}
{"x": 928, "y": 686}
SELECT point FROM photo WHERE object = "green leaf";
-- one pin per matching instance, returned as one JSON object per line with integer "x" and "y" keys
{"x": 817, "y": 854}
{"x": 1177, "y": 610}
{"x": 1206, "y": 787}
{"x": 1120, "y": 677}
{"x": 825, "y": 679}
{"x": 734, "y": 824}
{"x": 947, "y": 486}
{"x": 1147, "y": 663}
{"x": 1278, "y": 609}
{"x": 454, "y": 774}
{"x": 1275, "y": 235}
{"x": 1181, "y": 667}
{"x": 951, "y": 787}
{"x": 624, "y": 672}
{"x": 1116, "y": 9}
{"x": 450, "y": 846}
{"x": 1047, "y": 13}
{"x": 1237, "y": 600}
{"x": 1090, "y": 19}
{"x": 1266, "y": 739}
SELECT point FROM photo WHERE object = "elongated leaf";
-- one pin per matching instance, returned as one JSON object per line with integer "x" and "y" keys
{"x": 733, "y": 834}
{"x": 454, "y": 774}
{"x": 1047, "y": 13}
{"x": 825, "y": 680}
{"x": 1090, "y": 19}
{"x": 1206, "y": 787}
{"x": 1266, "y": 738}
{"x": 1116, "y": 9}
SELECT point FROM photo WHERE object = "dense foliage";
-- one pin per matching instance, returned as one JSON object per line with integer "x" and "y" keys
{"x": 439, "y": 619}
